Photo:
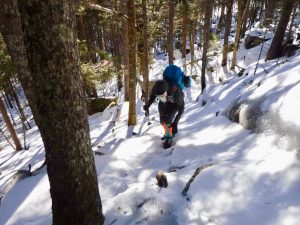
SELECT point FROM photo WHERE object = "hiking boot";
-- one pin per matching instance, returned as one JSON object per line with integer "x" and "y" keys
{"x": 168, "y": 143}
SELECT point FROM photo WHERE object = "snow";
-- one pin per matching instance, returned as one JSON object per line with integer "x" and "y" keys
{"x": 249, "y": 178}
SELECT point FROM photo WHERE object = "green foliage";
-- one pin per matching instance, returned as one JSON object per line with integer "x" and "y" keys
{"x": 99, "y": 75}
{"x": 99, "y": 104}
{"x": 104, "y": 55}
{"x": 213, "y": 37}
{"x": 83, "y": 51}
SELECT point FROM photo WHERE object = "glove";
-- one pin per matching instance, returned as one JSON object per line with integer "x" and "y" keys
{"x": 170, "y": 99}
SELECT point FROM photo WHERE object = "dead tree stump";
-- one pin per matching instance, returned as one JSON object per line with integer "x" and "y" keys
{"x": 161, "y": 179}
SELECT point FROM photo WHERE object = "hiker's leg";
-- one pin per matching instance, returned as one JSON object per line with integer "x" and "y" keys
{"x": 177, "y": 118}
{"x": 169, "y": 113}
{"x": 161, "y": 110}
{"x": 167, "y": 118}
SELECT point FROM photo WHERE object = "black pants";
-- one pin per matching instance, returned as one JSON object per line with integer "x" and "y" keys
{"x": 167, "y": 112}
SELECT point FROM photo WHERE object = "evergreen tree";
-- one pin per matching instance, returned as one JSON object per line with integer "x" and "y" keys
{"x": 170, "y": 37}
{"x": 206, "y": 34}
{"x": 276, "y": 45}
{"x": 228, "y": 17}
{"x": 132, "y": 62}
{"x": 243, "y": 7}
{"x": 10, "y": 127}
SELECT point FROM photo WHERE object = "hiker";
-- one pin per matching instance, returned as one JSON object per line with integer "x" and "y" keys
{"x": 171, "y": 103}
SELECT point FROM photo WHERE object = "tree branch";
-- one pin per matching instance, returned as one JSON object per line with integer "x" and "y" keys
{"x": 107, "y": 10}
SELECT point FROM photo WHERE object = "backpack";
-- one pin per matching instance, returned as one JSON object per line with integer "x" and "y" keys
{"x": 175, "y": 75}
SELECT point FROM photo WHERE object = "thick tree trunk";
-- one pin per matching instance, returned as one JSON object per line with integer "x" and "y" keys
{"x": 132, "y": 62}
{"x": 227, "y": 31}
{"x": 276, "y": 45}
{"x": 206, "y": 34}
{"x": 242, "y": 12}
{"x": 10, "y": 127}
{"x": 170, "y": 36}
{"x": 54, "y": 62}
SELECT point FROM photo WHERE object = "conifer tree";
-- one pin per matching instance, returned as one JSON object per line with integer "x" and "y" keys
{"x": 276, "y": 45}
{"x": 132, "y": 62}
{"x": 206, "y": 34}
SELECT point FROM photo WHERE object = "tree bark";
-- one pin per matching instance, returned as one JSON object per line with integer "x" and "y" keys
{"x": 227, "y": 31}
{"x": 292, "y": 23}
{"x": 52, "y": 51}
{"x": 132, "y": 62}
{"x": 21, "y": 111}
{"x": 222, "y": 17}
{"x": 10, "y": 127}
{"x": 242, "y": 12}
{"x": 117, "y": 54}
{"x": 206, "y": 34}
{"x": 10, "y": 27}
{"x": 126, "y": 58}
{"x": 276, "y": 45}
{"x": 184, "y": 31}
{"x": 269, "y": 14}
{"x": 192, "y": 35}
{"x": 145, "y": 59}
{"x": 170, "y": 36}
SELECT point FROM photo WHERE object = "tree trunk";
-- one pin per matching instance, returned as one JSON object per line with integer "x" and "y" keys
{"x": 145, "y": 52}
{"x": 192, "y": 42}
{"x": 90, "y": 19}
{"x": 20, "y": 109}
{"x": 245, "y": 21}
{"x": 206, "y": 34}
{"x": 132, "y": 62}
{"x": 227, "y": 31}
{"x": 10, "y": 127}
{"x": 253, "y": 13}
{"x": 8, "y": 98}
{"x": 53, "y": 59}
{"x": 292, "y": 23}
{"x": 242, "y": 12}
{"x": 269, "y": 14}
{"x": 184, "y": 31}
{"x": 126, "y": 58}
{"x": 117, "y": 54}
{"x": 170, "y": 36}
{"x": 222, "y": 17}
{"x": 276, "y": 45}
{"x": 10, "y": 27}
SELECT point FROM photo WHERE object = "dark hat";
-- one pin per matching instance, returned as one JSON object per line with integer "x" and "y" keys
{"x": 161, "y": 86}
